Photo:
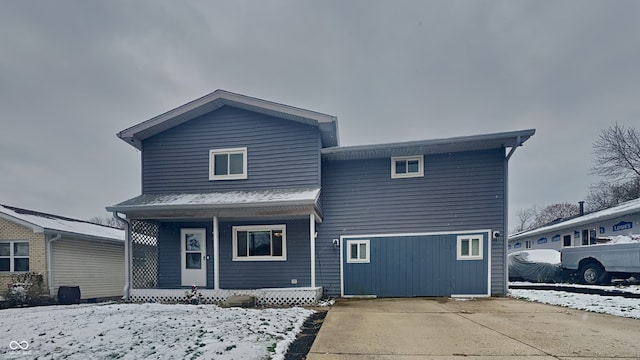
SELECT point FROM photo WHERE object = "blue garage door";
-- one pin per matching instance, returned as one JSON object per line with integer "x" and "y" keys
{"x": 416, "y": 265}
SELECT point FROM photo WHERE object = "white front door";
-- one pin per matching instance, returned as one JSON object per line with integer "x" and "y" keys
{"x": 194, "y": 251}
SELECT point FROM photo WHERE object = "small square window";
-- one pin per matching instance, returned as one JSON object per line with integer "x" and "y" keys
{"x": 228, "y": 164}
{"x": 358, "y": 251}
{"x": 470, "y": 247}
{"x": 407, "y": 166}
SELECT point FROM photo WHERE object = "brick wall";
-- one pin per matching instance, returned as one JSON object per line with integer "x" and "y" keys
{"x": 37, "y": 250}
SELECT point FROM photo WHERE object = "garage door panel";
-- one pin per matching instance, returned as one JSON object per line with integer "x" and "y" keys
{"x": 416, "y": 265}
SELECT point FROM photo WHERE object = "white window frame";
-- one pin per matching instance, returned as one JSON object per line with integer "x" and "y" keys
{"x": 470, "y": 256}
{"x": 229, "y": 151}
{"x": 269, "y": 228}
{"x": 358, "y": 260}
{"x": 12, "y": 255}
{"x": 420, "y": 173}
{"x": 528, "y": 244}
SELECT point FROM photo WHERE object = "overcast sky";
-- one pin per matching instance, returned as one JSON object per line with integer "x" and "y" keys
{"x": 74, "y": 73}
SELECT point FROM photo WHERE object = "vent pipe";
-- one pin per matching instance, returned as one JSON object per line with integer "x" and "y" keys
{"x": 581, "y": 204}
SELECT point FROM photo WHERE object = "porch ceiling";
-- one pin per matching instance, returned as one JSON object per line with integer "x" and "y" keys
{"x": 232, "y": 204}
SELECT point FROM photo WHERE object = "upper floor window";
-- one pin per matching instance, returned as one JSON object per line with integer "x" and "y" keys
{"x": 14, "y": 256}
{"x": 228, "y": 164}
{"x": 407, "y": 166}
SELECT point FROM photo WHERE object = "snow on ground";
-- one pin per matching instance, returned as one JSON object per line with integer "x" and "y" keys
{"x": 630, "y": 288}
{"x": 613, "y": 305}
{"x": 148, "y": 331}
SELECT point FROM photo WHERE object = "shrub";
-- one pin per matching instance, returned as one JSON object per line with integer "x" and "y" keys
{"x": 25, "y": 289}
{"x": 193, "y": 296}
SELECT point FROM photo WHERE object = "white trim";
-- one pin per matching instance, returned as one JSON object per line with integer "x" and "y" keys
{"x": 216, "y": 254}
{"x": 461, "y": 232}
{"x": 270, "y": 228}
{"x": 229, "y": 151}
{"x": 489, "y": 239}
{"x": 367, "y": 254}
{"x": 462, "y": 296}
{"x": 341, "y": 267}
{"x": 360, "y": 296}
{"x": 312, "y": 242}
{"x": 419, "y": 158}
{"x": 300, "y": 296}
{"x": 487, "y": 231}
{"x": 35, "y": 228}
{"x": 470, "y": 256}
{"x": 12, "y": 256}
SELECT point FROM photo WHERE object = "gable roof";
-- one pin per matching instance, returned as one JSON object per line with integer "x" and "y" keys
{"x": 436, "y": 146}
{"x": 54, "y": 224}
{"x": 629, "y": 207}
{"x": 327, "y": 124}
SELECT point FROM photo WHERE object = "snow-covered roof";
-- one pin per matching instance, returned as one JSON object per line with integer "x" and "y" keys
{"x": 629, "y": 207}
{"x": 55, "y": 224}
{"x": 220, "y": 200}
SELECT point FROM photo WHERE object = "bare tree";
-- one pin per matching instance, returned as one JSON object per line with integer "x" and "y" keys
{"x": 617, "y": 152}
{"x": 537, "y": 217}
{"x": 108, "y": 221}
{"x": 525, "y": 219}
{"x": 555, "y": 212}
{"x": 604, "y": 194}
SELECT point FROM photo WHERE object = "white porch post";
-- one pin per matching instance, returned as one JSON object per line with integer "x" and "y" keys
{"x": 216, "y": 255}
{"x": 312, "y": 237}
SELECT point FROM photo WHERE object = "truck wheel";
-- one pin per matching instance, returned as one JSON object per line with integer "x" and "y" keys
{"x": 592, "y": 274}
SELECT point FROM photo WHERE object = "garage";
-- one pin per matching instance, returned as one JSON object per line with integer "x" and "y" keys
{"x": 409, "y": 265}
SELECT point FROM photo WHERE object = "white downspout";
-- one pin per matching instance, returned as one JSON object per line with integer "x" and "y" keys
{"x": 127, "y": 255}
{"x": 50, "y": 263}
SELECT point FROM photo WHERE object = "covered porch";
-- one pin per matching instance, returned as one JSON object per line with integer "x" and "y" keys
{"x": 258, "y": 243}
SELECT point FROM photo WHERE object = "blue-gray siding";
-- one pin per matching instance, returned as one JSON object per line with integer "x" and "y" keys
{"x": 280, "y": 153}
{"x": 418, "y": 265}
{"x": 237, "y": 274}
{"x": 459, "y": 191}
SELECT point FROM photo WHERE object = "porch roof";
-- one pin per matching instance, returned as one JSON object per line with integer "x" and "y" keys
{"x": 284, "y": 202}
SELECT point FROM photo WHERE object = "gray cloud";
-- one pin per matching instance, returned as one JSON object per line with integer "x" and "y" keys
{"x": 73, "y": 73}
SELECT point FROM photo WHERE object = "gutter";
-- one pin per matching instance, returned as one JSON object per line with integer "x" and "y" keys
{"x": 50, "y": 263}
{"x": 127, "y": 257}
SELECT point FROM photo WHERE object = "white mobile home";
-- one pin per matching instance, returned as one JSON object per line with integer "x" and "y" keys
{"x": 623, "y": 219}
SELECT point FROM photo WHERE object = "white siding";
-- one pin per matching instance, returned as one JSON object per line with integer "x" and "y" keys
{"x": 98, "y": 268}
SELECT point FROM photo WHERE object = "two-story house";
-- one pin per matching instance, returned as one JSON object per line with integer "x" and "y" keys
{"x": 246, "y": 196}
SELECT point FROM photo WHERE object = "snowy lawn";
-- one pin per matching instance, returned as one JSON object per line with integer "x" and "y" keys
{"x": 613, "y": 305}
{"x": 148, "y": 331}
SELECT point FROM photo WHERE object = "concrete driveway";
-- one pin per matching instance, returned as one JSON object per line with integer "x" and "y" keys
{"x": 428, "y": 328}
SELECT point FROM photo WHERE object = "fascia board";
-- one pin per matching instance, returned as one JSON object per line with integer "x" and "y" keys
{"x": 36, "y": 228}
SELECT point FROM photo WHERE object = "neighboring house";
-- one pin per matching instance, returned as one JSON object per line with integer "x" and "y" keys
{"x": 246, "y": 196}
{"x": 67, "y": 252}
{"x": 623, "y": 219}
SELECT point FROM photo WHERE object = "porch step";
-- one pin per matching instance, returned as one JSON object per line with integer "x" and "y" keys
{"x": 244, "y": 301}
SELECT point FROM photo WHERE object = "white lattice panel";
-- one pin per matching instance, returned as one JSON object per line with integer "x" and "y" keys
{"x": 264, "y": 297}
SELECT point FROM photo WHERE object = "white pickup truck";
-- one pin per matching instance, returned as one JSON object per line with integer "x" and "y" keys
{"x": 596, "y": 264}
